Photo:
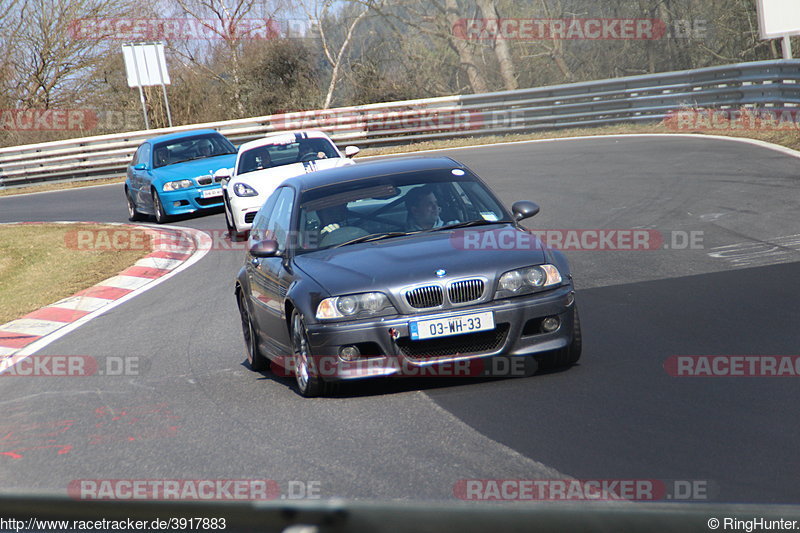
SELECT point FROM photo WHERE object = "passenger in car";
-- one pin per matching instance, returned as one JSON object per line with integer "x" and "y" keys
{"x": 332, "y": 218}
{"x": 162, "y": 157}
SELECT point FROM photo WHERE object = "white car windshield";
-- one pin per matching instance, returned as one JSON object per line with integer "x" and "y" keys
{"x": 275, "y": 155}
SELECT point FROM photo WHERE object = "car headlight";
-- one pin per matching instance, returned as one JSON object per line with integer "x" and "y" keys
{"x": 180, "y": 184}
{"x": 355, "y": 306}
{"x": 527, "y": 280}
{"x": 243, "y": 189}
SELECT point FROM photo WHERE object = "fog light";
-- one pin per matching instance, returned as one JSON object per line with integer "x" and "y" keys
{"x": 176, "y": 204}
{"x": 349, "y": 353}
{"x": 570, "y": 299}
{"x": 550, "y": 324}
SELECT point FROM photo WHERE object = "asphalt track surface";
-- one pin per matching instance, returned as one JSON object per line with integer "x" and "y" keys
{"x": 196, "y": 411}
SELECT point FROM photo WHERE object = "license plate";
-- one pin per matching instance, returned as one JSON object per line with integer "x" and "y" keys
{"x": 454, "y": 325}
{"x": 211, "y": 193}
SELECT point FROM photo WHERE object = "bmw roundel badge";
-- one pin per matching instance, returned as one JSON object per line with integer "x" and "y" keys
{"x": 441, "y": 273}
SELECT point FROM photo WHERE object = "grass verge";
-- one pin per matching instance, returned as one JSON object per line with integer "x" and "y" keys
{"x": 38, "y": 266}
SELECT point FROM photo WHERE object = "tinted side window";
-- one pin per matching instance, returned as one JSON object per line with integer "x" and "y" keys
{"x": 136, "y": 156}
{"x": 260, "y": 222}
{"x": 281, "y": 218}
{"x": 144, "y": 156}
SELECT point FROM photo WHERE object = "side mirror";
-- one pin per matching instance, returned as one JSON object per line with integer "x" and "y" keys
{"x": 223, "y": 174}
{"x": 140, "y": 166}
{"x": 265, "y": 248}
{"x": 524, "y": 209}
{"x": 350, "y": 151}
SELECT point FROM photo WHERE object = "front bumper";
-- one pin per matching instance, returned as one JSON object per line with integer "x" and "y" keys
{"x": 244, "y": 209}
{"x": 190, "y": 200}
{"x": 517, "y": 337}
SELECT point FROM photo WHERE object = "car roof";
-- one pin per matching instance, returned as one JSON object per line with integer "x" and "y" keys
{"x": 270, "y": 139}
{"x": 180, "y": 135}
{"x": 373, "y": 169}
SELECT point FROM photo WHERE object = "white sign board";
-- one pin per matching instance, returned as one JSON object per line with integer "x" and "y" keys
{"x": 778, "y": 18}
{"x": 145, "y": 64}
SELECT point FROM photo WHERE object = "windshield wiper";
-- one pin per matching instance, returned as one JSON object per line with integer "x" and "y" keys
{"x": 199, "y": 157}
{"x": 471, "y": 223}
{"x": 376, "y": 237}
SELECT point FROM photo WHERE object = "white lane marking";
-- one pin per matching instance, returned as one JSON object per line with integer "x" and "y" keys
{"x": 125, "y": 282}
{"x": 158, "y": 262}
{"x": 81, "y": 303}
{"x": 784, "y": 249}
{"x": 710, "y": 217}
{"x": 203, "y": 242}
{"x": 31, "y": 326}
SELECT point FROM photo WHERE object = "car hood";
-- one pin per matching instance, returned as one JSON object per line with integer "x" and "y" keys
{"x": 416, "y": 258}
{"x": 196, "y": 168}
{"x": 284, "y": 172}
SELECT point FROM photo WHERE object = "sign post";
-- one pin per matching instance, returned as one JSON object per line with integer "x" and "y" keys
{"x": 146, "y": 65}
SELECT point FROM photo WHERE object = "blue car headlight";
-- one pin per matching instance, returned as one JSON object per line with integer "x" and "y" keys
{"x": 355, "y": 306}
{"x": 179, "y": 184}
{"x": 243, "y": 189}
{"x": 527, "y": 280}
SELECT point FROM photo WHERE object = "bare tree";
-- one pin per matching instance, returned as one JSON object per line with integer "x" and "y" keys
{"x": 9, "y": 21}
{"x": 224, "y": 19}
{"x": 337, "y": 58}
{"x": 501, "y": 48}
{"x": 51, "y": 63}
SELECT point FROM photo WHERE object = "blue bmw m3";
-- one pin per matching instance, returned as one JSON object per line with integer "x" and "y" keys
{"x": 174, "y": 174}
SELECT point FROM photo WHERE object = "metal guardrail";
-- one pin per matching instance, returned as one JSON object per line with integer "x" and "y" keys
{"x": 771, "y": 84}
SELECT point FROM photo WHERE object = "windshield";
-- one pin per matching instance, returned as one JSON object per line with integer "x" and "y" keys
{"x": 191, "y": 148}
{"x": 285, "y": 153}
{"x": 392, "y": 206}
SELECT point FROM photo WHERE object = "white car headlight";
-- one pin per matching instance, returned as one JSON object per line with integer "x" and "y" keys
{"x": 527, "y": 280}
{"x": 355, "y": 306}
{"x": 179, "y": 184}
{"x": 243, "y": 189}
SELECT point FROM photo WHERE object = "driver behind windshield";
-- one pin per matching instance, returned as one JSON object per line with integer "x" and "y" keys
{"x": 204, "y": 149}
{"x": 312, "y": 149}
{"x": 423, "y": 209}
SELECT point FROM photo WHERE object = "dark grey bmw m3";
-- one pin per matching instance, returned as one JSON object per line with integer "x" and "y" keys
{"x": 401, "y": 267}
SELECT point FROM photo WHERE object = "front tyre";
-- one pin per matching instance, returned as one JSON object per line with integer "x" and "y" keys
{"x": 158, "y": 209}
{"x": 235, "y": 236}
{"x": 133, "y": 214}
{"x": 257, "y": 361}
{"x": 308, "y": 384}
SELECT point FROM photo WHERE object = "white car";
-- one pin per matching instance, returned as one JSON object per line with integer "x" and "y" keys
{"x": 263, "y": 164}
